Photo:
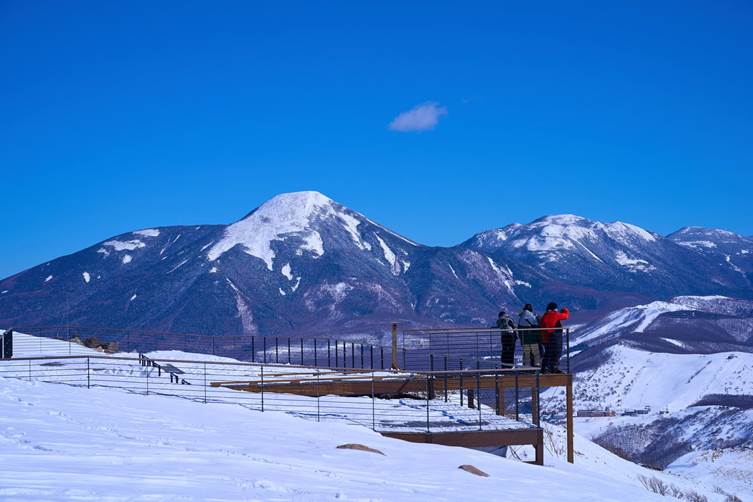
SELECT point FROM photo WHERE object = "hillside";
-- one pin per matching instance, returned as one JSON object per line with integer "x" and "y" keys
{"x": 67, "y": 443}
{"x": 301, "y": 262}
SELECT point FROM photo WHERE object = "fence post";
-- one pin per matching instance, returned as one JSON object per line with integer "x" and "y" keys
{"x": 205, "y": 383}
{"x": 147, "y": 377}
{"x": 381, "y": 357}
{"x": 404, "y": 363}
{"x": 538, "y": 400}
{"x": 329, "y": 352}
{"x": 496, "y": 392}
{"x": 352, "y": 354}
{"x": 460, "y": 375}
{"x": 253, "y": 349}
{"x": 87, "y": 369}
{"x": 371, "y": 356}
{"x": 394, "y": 346}
{"x": 301, "y": 351}
{"x": 290, "y": 359}
{"x": 478, "y": 397}
{"x": 517, "y": 398}
{"x": 428, "y": 429}
{"x": 337, "y": 357}
{"x": 373, "y": 405}
{"x": 361, "y": 355}
{"x": 262, "y": 388}
{"x": 317, "y": 395}
{"x": 277, "y": 350}
{"x": 88, "y": 373}
{"x": 445, "y": 379}
{"x": 315, "y": 358}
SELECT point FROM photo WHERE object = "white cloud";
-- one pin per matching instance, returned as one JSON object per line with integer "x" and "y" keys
{"x": 420, "y": 118}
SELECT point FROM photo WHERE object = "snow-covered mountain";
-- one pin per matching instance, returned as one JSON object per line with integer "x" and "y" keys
{"x": 684, "y": 324}
{"x": 679, "y": 376}
{"x": 591, "y": 264}
{"x": 298, "y": 263}
{"x": 302, "y": 263}
{"x": 725, "y": 248}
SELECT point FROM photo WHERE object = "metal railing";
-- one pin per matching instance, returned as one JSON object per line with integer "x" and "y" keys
{"x": 386, "y": 401}
{"x": 416, "y": 349}
{"x": 457, "y": 348}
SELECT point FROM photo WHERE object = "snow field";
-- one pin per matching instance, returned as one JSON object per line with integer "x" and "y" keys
{"x": 70, "y": 443}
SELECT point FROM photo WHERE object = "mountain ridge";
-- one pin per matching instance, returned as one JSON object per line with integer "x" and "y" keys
{"x": 301, "y": 261}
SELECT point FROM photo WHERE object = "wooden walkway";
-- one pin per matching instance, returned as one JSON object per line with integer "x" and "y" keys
{"x": 385, "y": 385}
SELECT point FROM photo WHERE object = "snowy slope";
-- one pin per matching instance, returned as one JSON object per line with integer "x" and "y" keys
{"x": 633, "y": 379}
{"x": 684, "y": 324}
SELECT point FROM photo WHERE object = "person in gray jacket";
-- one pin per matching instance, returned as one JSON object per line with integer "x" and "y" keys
{"x": 528, "y": 326}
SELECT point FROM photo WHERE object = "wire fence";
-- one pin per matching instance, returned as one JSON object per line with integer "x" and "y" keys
{"x": 385, "y": 401}
{"x": 415, "y": 349}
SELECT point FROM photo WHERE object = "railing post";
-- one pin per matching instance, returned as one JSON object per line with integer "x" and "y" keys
{"x": 394, "y": 346}
{"x": 478, "y": 397}
{"x": 301, "y": 351}
{"x": 381, "y": 357}
{"x": 496, "y": 392}
{"x": 352, "y": 354}
{"x": 428, "y": 429}
{"x": 517, "y": 398}
{"x": 337, "y": 357}
{"x": 329, "y": 352}
{"x": 277, "y": 350}
{"x": 147, "y": 377}
{"x": 253, "y": 349}
{"x": 567, "y": 334}
{"x": 262, "y": 388}
{"x": 405, "y": 365}
{"x": 460, "y": 378}
{"x": 315, "y": 358}
{"x": 290, "y": 359}
{"x": 88, "y": 377}
{"x": 317, "y": 395}
{"x": 264, "y": 349}
{"x": 371, "y": 356}
{"x": 538, "y": 400}
{"x": 361, "y": 344}
{"x": 87, "y": 370}
{"x": 445, "y": 379}
{"x": 205, "y": 383}
{"x": 373, "y": 404}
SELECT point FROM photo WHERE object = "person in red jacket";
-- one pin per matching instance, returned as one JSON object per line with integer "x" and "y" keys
{"x": 551, "y": 337}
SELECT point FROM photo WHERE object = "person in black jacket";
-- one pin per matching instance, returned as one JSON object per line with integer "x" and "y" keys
{"x": 507, "y": 327}
{"x": 528, "y": 325}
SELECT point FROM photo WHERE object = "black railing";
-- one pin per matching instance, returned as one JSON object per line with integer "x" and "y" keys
{"x": 459, "y": 400}
{"x": 416, "y": 349}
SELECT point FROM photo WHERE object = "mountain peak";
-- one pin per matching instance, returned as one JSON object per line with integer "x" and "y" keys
{"x": 285, "y": 214}
{"x": 561, "y": 219}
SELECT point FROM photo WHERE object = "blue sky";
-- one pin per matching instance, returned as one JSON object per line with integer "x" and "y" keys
{"x": 123, "y": 115}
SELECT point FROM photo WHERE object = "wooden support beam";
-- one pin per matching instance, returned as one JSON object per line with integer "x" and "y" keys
{"x": 535, "y": 405}
{"x": 473, "y": 439}
{"x": 539, "y": 447}
{"x": 501, "y": 399}
{"x": 395, "y": 365}
{"x": 354, "y": 385}
{"x": 569, "y": 414}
